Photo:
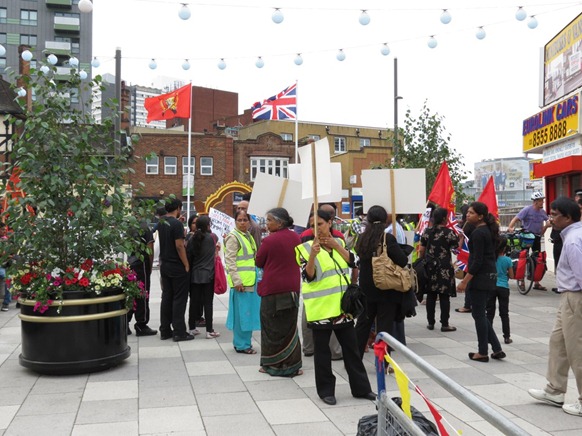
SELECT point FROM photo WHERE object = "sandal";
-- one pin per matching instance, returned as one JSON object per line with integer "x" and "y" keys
{"x": 540, "y": 288}
{"x": 247, "y": 351}
{"x": 478, "y": 359}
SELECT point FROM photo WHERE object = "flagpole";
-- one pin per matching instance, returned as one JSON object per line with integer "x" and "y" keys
{"x": 189, "y": 176}
{"x": 296, "y": 122}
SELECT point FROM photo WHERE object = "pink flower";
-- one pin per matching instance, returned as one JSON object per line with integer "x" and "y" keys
{"x": 131, "y": 276}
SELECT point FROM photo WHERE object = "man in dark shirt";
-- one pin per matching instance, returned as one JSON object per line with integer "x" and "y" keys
{"x": 174, "y": 272}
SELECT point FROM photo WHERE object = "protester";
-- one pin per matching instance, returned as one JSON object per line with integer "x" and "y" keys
{"x": 325, "y": 264}
{"x": 244, "y": 303}
{"x": 437, "y": 243}
{"x": 254, "y": 227}
{"x": 482, "y": 276}
{"x": 279, "y": 292}
{"x": 565, "y": 351}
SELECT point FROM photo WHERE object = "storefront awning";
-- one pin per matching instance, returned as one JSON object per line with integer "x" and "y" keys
{"x": 561, "y": 166}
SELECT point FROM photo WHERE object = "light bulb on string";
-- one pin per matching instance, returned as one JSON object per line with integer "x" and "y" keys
{"x": 520, "y": 14}
{"x": 385, "y": 50}
{"x": 82, "y": 74}
{"x": 480, "y": 34}
{"x": 277, "y": 16}
{"x": 44, "y": 69}
{"x": 26, "y": 55}
{"x": 184, "y": 12}
{"x": 186, "y": 65}
{"x": 52, "y": 59}
{"x": 446, "y": 17}
{"x": 532, "y": 22}
{"x": 432, "y": 42}
{"x": 2, "y": 50}
{"x": 73, "y": 62}
{"x": 21, "y": 92}
{"x": 298, "y": 59}
{"x": 85, "y": 6}
{"x": 221, "y": 64}
{"x": 364, "y": 18}
{"x": 153, "y": 64}
{"x": 260, "y": 63}
{"x": 95, "y": 63}
{"x": 340, "y": 56}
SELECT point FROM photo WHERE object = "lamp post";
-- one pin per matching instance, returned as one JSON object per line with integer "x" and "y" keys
{"x": 396, "y": 98}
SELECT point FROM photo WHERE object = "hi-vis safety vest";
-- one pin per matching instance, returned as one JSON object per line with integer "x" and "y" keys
{"x": 245, "y": 259}
{"x": 322, "y": 296}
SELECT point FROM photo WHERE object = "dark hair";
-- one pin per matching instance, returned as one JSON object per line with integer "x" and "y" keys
{"x": 359, "y": 211}
{"x": 368, "y": 241}
{"x": 325, "y": 215}
{"x": 280, "y": 214}
{"x": 173, "y": 205}
{"x": 191, "y": 220}
{"x": 239, "y": 212}
{"x": 195, "y": 243}
{"x": 160, "y": 211}
{"x": 482, "y": 209}
{"x": 501, "y": 245}
{"x": 567, "y": 207}
{"x": 439, "y": 215}
{"x": 330, "y": 204}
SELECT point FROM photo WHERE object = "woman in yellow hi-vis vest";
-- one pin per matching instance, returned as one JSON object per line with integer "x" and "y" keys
{"x": 244, "y": 303}
{"x": 325, "y": 263}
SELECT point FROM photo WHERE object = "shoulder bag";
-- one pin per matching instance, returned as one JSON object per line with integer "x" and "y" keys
{"x": 353, "y": 302}
{"x": 387, "y": 275}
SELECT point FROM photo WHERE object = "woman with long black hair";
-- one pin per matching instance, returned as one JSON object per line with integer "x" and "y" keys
{"x": 482, "y": 275}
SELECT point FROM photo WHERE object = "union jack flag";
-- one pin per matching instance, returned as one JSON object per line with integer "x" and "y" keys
{"x": 463, "y": 255}
{"x": 453, "y": 223}
{"x": 282, "y": 106}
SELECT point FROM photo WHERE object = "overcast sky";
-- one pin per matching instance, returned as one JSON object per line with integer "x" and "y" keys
{"x": 483, "y": 88}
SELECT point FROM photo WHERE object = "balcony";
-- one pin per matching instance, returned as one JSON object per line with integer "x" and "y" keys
{"x": 59, "y": 4}
{"x": 57, "y": 47}
{"x": 67, "y": 25}
{"x": 63, "y": 73}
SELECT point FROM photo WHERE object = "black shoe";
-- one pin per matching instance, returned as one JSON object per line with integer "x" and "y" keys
{"x": 329, "y": 400}
{"x": 448, "y": 328}
{"x": 430, "y": 326}
{"x": 508, "y": 340}
{"x": 337, "y": 358}
{"x": 145, "y": 331}
{"x": 369, "y": 396}
{"x": 308, "y": 354}
{"x": 555, "y": 290}
{"x": 164, "y": 336}
{"x": 184, "y": 337}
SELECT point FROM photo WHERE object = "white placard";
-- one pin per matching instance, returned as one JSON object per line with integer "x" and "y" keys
{"x": 221, "y": 224}
{"x": 335, "y": 172}
{"x": 409, "y": 189}
{"x": 267, "y": 193}
{"x": 322, "y": 167}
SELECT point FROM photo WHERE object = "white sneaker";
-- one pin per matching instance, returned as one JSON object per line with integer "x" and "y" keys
{"x": 195, "y": 332}
{"x": 555, "y": 400}
{"x": 573, "y": 409}
{"x": 212, "y": 335}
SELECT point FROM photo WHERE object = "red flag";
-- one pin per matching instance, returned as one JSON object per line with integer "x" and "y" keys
{"x": 489, "y": 197}
{"x": 443, "y": 193}
{"x": 175, "y": 104}
{"x": 435, "y": 413}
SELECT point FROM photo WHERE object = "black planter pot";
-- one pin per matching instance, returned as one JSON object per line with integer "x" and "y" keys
{"x": 89, "y": 334}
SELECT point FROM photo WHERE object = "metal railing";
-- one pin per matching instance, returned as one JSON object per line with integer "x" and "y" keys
{"x": 503, "y": 424}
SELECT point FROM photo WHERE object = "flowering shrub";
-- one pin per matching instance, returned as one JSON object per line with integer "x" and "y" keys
{"x": 35, "y": 283}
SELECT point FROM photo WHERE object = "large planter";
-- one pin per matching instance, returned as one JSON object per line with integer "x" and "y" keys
{"x": 89, "y": 334}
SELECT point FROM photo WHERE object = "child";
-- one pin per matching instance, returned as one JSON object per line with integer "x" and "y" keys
{"x": 501, "y": 292}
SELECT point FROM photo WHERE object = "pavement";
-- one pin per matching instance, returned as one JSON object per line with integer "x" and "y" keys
{"x": 203, "y": 387}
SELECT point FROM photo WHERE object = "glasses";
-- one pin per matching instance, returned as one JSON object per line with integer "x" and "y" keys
{"x": 555, "y": 215}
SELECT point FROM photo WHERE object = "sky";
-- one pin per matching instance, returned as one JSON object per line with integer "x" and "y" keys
{"x": 483, "y": 89}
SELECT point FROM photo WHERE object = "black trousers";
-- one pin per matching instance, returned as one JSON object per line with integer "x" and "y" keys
{"x": 141, "y": 306}
{"x": 501, "y": 294}
{"x": 201, "y": 295}
{"x": 173, "y": 307}
{"x": 384, "y": 313}
{"x": 445, "y": 305}
{"x": 485, "y": 333}
{"x": 324, "y": 378}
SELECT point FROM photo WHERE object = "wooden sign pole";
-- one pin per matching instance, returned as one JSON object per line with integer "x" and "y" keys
{"x": 314, "y": 180}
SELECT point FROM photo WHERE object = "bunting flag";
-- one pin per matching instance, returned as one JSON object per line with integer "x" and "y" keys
{"x": 489, "y": 197}
{"x": 175, "y": 104}
{"x": 402, "y": 382}
{"x": 282, "y": 106}
{"x": 435, "y": 413}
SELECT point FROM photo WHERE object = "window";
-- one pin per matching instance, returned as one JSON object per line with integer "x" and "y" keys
{"x": 206, "y": 166}
{"x": 314, "y": 137}
{"x": 364, "y": 142}
{"x": 28, "y": 17}
{"x": 287, "y": 136}
{"x": 170, "y": 165}
{"x": 152, "y": 165}
{"x": 67, "y": 14}
{"x": 3, "y": 15}
{"x": 276, "y": 166}
{"x": 2, "y": 64}
{"x": 74, "y": 96}
{"x": 189, "y": 169}
{"x": 75, "y": 44}
{"x": 28, "y": 40}
{"x": 339, "y": 143}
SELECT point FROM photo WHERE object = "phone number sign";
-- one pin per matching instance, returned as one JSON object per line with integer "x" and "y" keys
{"x": 553, "y": 124}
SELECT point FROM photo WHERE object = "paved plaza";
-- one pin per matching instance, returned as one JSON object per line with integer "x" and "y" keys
{"x": 203, "y": 387}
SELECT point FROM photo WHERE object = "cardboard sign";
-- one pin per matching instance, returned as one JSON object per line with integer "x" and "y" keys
{"x": 335, "y": 171}
{"x": 409, "y": 190}
{"x": 221, "y": 224}
{"x": 322, "y": 168}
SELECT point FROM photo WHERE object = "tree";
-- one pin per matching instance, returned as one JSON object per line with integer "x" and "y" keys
{"x": 425, "y": 144}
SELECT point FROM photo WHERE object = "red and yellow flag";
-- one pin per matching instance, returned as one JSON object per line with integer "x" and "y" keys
{"x": 175, "y": 104}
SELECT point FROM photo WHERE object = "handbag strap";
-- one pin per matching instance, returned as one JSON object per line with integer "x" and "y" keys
{"x": 340, "y": 270}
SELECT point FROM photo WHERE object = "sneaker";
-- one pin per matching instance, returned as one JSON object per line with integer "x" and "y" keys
{"x": 194, "y": 332}
{"x": 573, "y": 409}
{"x": 212, "y": 335}
{"x": 555, "y": 400}
{"x": 4, "y": 307}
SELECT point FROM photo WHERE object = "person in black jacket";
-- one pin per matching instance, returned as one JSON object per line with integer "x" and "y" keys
{"x": 382, "y": 305}
{"x": 482, "y": 275}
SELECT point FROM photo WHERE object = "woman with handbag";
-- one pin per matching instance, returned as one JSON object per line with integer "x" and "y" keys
{"x": 279, "y": 292}
{"x": 435, "y": 246}
{"x": 201, "y": 250}
{"x": 482, "y": 276}
{"x": 325, "y": 267}
{"x": 383, "y": 306}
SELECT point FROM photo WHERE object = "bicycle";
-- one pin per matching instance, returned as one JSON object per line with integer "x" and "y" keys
{"x": 516, "y": 242}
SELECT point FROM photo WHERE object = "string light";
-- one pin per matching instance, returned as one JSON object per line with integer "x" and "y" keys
{"x": 221, "y": 64}
{"x": 385, "y": 50}
{"x": 83, "y": 74}
{"x": 446, "y": 17}
{"x": 186, "y": 65}
{"x": 432, "y": 42}
{"x": 26, "y": 55}
{"x": 277, "y": 16}
{"x": 298, "y": 59}
{"x": 184, "y": 12}
{"x": 481, "y": 34}
{"x": 85, "y": 6}
{"x": 520, "y": 15}
{"x": 2, "y": 50}
{"x": 73, "y": 62}
{"x": 52, "y": 59}
{"x": 153, "y": 64}
{"x": 341, "y": 56}
{"x": 44, "y": 69}
{"x": 260, "y": 63}
{"x": 532, "y": 22}
{"x": 364, "y": 18}
{"x": 95, "y": 63}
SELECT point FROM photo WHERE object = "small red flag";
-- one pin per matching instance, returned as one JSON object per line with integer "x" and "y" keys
{"x": 175, "y": 104}
{"x": 443, "y": 193}
{"x": 489, "y": 197}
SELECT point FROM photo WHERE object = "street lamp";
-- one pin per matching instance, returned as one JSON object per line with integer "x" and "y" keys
{"x": 396, "y": 98}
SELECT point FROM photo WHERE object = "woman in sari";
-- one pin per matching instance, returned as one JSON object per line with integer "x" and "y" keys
{"x": 244, "y": 303}
{"x": 279, "y": 292}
